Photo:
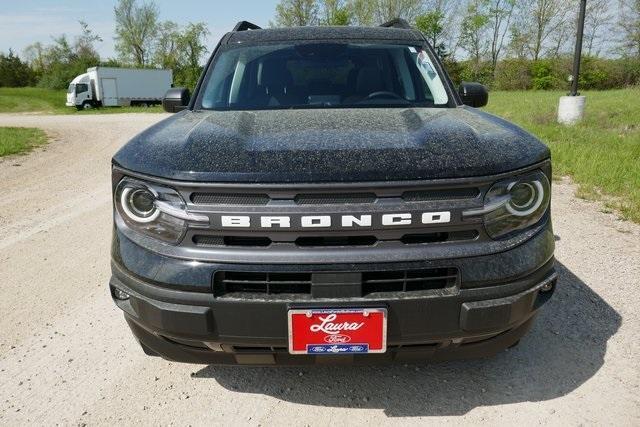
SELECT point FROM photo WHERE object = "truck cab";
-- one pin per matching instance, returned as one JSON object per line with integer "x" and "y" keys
{"x": 80, "y": 92}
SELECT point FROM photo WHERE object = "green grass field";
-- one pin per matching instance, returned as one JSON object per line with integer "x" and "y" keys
{"x": 32, "y": 99}
{"x": 20, "y": 140}
{"x": 602, "y": 154}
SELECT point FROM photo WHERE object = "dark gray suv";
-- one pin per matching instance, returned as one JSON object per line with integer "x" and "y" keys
{"x": 326, "y": 195}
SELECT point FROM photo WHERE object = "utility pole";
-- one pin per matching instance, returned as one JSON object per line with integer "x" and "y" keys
{"x": 577, "y": 58}
{"x": 571, "y": 108}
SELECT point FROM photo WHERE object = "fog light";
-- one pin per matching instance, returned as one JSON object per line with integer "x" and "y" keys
{"x": 548, "y": 287}
{"x": 120, "y": 294}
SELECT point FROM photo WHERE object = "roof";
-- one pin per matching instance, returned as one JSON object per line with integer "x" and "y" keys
{"x": 324, "y": 33}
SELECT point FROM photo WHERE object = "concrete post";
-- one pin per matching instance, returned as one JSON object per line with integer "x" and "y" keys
{"x": 571, "y": 109}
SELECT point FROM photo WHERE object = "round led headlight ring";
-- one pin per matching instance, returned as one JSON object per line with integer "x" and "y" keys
{"x": 527, "y": 197}
{"x": 138, "y": 204}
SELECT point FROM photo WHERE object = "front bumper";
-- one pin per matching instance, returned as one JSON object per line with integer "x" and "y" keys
{"x": 185, "y": 322}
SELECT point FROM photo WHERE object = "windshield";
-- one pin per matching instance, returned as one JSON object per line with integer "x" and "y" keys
{"x": 323, "y": 75}
{"x": 71, "y": 88}
{"x": 82, "y": 87}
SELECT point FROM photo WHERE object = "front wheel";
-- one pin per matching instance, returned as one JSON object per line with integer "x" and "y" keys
{"x": 87, "y": 105}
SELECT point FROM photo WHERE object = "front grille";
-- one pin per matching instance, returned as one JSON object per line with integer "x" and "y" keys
{"x": 453, "y": 236}
{"x": 257, "y": 199}
{"x": 448, "y": 194}
{"x": 372, "y": 282}
{"x": 409, "y": 280}
{"x": 246, "y": 241}
{"x": 336, "y": 241}
{"x": 229, "y": 199}
{"x": 357, "y": 213}
{"x": 334, "y": 199}
{"x": 228, "y": 282}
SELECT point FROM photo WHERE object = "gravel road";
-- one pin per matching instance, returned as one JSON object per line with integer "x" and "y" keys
{"x": 67, "y": 357}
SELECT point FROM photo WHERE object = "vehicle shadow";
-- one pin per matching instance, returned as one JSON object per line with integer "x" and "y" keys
{"x": 565, "y": 348}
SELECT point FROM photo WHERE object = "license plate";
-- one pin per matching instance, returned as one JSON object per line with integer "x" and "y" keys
{"x": 338, "y": 331}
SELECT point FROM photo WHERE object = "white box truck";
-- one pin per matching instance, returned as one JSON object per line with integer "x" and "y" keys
{"x": 111, "y": 87}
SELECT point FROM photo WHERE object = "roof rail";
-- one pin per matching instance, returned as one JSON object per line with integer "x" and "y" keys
{"x": 397, "y": 23}
{"x": 245, "y": 25}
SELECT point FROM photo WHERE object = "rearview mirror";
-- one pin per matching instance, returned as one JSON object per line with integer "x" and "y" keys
{"x": 474, "y": 95}
{"x": 176, "y": 99}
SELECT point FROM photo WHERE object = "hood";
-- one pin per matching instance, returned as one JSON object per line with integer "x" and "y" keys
{"x": 336, "y": 145}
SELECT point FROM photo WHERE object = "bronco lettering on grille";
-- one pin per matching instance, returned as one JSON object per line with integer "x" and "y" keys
{"x": 326, "y": 221}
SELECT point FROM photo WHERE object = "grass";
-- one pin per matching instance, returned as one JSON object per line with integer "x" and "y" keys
{"x": 38, "y": 100}
{"x": 602, "y": 154}
{"x": 20, "y": 140}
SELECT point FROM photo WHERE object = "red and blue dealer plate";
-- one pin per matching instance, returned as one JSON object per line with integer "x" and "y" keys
{"x": 338, "y": 331}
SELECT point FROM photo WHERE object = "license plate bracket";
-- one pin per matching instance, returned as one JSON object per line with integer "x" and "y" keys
{"x": 333, "y": 331}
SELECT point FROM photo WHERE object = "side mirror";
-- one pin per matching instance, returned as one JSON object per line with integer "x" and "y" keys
{"x": 176, "y": 99}
{"x": 473, "y": 94}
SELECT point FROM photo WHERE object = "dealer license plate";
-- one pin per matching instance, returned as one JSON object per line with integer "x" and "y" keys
{"x": 338, "y": 331}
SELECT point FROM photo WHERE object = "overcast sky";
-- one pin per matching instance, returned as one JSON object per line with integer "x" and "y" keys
{"x": 23, "y": 22}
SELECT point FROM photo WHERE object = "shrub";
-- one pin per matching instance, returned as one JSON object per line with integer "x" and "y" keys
{"x": 542, "y": 75}
{"x": 473, "y": 72}
{"x": 513, "y": 74}
{"x": 454, "y": 69}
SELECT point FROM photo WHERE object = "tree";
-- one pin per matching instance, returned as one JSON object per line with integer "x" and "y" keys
{"x": 296, "y": 13}
{"x": 362, "y": 11}
{"x": 56, "y": 64}
{"x": 336, "y": 12}
{"x": 181, "y": 50}
{"x": 500, "y": 14}
{"x": 192, "y": 47}
{"x": 432, "y": 25}
{"x": 166, "y": 51}
{"x": 14, "y": 72}
{"x": 386, "y": 10}
{"x": 598, "y": 20}
{"x": 630, "y": 27}
{"x": 136, "y": 29}
{"x": 518, "y": 42}
{"x": 34, "y": 56}
{"x": 539, "y": 20}
{"x": 473, "y": 37}
{"x": 84, "y": 43}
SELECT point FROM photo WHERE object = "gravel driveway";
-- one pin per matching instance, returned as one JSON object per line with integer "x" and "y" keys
{"x": 67, "y": 357}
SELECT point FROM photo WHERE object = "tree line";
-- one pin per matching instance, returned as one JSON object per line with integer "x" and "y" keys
{"x": 142, "y": 41}
{"x": 506, "y": 44}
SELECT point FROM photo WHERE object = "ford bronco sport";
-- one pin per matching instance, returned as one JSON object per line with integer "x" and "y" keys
{"x": 327, "y": 196}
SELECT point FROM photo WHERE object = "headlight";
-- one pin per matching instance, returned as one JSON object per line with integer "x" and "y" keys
{"x": 154, "y": 210}
{"x": 514, "y": 204}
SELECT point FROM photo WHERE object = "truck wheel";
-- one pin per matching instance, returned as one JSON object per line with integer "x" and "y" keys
{"x": 87, "y": 105}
